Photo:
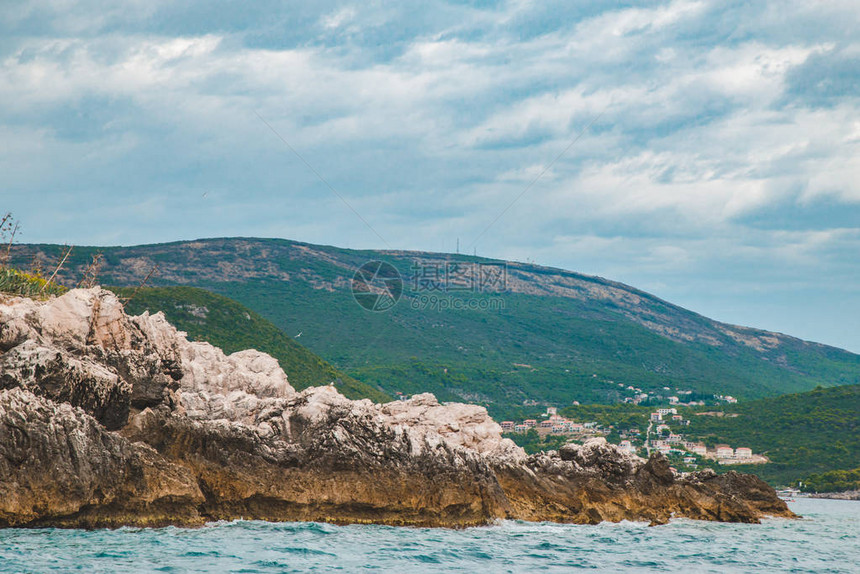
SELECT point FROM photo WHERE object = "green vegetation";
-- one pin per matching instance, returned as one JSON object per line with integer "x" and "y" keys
{"x": 574, "y": 348}
{"x": 16, "y": 282}
{"x": 229, "y": 325}
{"x": 623, "y": 417}
{"x": 532, "y": 442}
{"x": 833, "y": 481}
{"x": 620, "y": 417}
{"x": 803, "y": 433}
{"x": 570, "y": 353}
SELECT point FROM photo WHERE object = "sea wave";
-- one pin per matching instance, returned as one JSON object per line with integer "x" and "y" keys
{"x": 827, "y": 539}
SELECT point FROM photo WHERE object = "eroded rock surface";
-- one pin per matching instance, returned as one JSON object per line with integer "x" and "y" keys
{"x": 59, "y": 466}
{"x": 109, "y": 420}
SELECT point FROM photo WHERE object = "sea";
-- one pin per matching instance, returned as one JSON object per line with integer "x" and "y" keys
{"x": 826, "y": 539}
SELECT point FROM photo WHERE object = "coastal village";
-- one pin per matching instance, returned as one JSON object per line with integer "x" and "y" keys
{"x": 664, "y": 434}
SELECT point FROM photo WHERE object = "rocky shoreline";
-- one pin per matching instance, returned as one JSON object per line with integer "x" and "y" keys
{"x": 844, "y": 495}
{"x": 108, "y": 420}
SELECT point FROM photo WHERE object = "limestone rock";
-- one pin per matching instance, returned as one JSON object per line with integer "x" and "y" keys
{"x": 83, "y": 349}
{"x": 59, "y": 466}
{"x": 324, "y": 460}
{"x": 235, "y": 387}
{"x": 64, "y": 378}
{"x": 463, "y": 425}
{"x": 602, "y": 457}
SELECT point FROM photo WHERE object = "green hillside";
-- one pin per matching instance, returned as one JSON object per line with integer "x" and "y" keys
{"x": 833, "y": 481}
{"x": 548, "y": 337}
{"x": 573, "y": 350}
{"x": 233, "y": 327}
{"x": 802, "y": 433}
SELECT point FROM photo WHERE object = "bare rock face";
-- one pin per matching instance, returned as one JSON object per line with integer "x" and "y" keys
{"x": 602, "y": 458}
{"x": 321, "y": 458}
{"x": 83, "y": 349}
{"x": 236, "y": 387}
{"x": 55, "y": 349}
{"x": 66, "y": 378}
{"x": 598, "y": 482}
{"x": 468, "y": 426}
{"x": 59, "y": 466}
{"x": 110, "y": 420}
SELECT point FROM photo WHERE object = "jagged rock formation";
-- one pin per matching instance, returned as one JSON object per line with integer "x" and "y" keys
{"x": 59, "y": 466}
{"x": 108, "y": 420}
{"x": 595, "y": 482}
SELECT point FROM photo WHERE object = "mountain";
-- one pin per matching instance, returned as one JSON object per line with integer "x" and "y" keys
{"x": 522, "y": 334}
{"x": 232, "y": 327}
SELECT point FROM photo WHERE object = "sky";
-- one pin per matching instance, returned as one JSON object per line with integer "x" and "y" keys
{"x": 707, "y": 152}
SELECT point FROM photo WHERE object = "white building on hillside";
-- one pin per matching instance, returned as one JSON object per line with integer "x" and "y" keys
{"x": 724, "y": 451}
{"x": 627, "y": 446}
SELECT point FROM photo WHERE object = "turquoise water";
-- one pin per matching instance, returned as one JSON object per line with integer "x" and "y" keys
{"x": 826, "y": 540}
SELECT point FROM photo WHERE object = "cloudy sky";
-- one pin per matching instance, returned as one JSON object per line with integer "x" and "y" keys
{"x": 717, "y": 160}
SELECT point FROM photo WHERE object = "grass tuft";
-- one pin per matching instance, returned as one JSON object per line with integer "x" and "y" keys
{"x": 15, "y": 282}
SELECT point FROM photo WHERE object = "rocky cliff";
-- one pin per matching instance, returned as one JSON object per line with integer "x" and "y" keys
{"x": 109, "y": 420}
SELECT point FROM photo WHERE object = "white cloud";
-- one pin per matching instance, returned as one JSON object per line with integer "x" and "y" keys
{"x": 339, "y": 17}
{"x": 431, "y": 119}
